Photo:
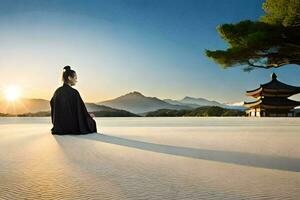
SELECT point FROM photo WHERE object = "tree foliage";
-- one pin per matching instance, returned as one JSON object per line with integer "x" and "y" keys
{"x": 272, "y": 41}
{"x": 203, "y": 111}
{"x": 282, "y": 12}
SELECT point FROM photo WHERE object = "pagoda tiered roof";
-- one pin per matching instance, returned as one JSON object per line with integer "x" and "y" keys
{"x": 273, "y": 103}
{"x": 274, "y": 88}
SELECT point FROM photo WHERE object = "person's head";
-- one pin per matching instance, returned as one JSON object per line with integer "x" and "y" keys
{"x": 69, "y": 76}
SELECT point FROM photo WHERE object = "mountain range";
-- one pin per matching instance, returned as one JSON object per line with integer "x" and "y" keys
{"x": 42, "y": 107}
{"x": 194, "y": 102}
{"x": 128, "y": 104}
{"x": 138, "y": 103}
{"x": 24, "y": 105}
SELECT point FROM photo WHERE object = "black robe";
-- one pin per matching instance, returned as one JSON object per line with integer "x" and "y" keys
{"x": 69, "y": 114}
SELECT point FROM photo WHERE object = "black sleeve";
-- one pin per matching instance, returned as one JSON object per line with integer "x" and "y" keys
{"x": 51, "y": 108}
{"x": 86, "y": 123}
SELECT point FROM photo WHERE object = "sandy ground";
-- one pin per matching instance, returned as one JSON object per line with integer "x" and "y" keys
{"x": 152, "y": 158}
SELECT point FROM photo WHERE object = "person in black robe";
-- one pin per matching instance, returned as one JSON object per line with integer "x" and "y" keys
{"x": 68, "y": 112}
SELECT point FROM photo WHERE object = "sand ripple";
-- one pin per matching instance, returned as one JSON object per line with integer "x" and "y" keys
{"x": 148, "y": 162}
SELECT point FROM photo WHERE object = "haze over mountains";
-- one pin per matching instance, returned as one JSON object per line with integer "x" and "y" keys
{"x": 22, "y": 106}
{"x": 194, "y": 102}
{"x": 133, "y": 102}
{"x": 138, "y": 103}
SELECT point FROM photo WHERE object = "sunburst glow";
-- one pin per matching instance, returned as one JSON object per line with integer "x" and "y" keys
{"x": 12, "y": 93}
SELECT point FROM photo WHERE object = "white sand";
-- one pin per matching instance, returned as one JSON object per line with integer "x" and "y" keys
{"x": 152, "y": 158}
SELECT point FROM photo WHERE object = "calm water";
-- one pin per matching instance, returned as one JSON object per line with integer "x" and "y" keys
{"x": 152, "y": 158}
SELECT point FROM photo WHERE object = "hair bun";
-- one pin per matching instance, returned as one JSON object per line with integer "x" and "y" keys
{"x": 67, "y": 68}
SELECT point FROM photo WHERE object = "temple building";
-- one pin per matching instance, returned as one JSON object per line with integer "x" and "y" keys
{"x": 272, "y": 100}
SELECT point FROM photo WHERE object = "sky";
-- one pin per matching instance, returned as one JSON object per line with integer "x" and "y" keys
{"x": 155, "y": 47}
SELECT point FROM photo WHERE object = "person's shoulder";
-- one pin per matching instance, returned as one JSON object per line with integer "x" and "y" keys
{"x": 66, "y": 88}
{"x": 73, "y": 91}
{"x": 58, "y": 89}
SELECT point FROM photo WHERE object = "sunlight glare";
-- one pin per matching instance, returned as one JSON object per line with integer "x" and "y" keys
{"x": 12, "y": 93}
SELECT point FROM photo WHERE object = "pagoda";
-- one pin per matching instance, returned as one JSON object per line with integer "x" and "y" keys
{"x": 272, "y": 100}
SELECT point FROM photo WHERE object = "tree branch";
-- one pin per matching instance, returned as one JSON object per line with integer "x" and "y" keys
{"x": 291, "y": 45}
{"x": 257, "y": 66}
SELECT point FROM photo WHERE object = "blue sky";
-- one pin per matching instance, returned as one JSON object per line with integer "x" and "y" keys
{"x": 118, "y": 46}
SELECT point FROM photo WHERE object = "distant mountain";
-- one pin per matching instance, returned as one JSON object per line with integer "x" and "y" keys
{"x": 126, "y": 105}
{"x": 92, "y": 107}
{"x": 198, "y": 102}
{"x": 105, "y": 111}
{"x": 24, "y": 105}
{"x": 175, "y": 102}
{"x": 101, "y": 113}
{"x": 137, "y": 103}
{"x": 41, "y": 107}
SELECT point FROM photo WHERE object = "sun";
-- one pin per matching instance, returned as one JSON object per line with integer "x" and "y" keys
{"x": 12, "y": 93}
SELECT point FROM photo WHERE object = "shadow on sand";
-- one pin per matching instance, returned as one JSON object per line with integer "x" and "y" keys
{"x": 239, "y": 158}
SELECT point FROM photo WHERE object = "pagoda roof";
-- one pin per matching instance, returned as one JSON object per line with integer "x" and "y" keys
{"x": 274, "y": 87}
{"x": 273, "y": 103}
